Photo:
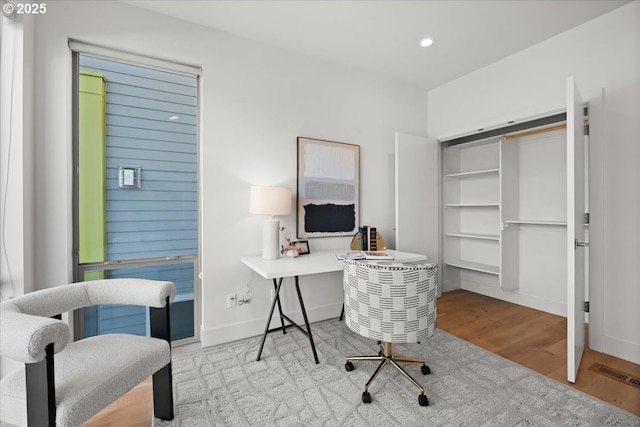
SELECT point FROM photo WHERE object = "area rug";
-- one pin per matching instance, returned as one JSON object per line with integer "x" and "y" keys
{"x": 468, "y": 386}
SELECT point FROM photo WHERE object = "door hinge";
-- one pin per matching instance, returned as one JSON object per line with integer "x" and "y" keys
{"x": 586, "y": 218}
{"x": 586, "y": 306}
{"x": 586, "y": 129}
{"x": 581, "y": 244}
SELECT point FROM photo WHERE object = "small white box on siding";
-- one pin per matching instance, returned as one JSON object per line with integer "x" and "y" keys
{"x": 129, "y": 176}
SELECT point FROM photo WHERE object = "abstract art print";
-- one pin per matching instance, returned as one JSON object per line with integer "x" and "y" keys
{"x": 328, "y": 188}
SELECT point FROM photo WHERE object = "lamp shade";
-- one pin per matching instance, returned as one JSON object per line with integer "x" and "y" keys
{"x": 270, "y": 200}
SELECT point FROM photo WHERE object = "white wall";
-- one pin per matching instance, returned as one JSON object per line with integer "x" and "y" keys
{"x": 16, "y": 156}
{"x": 603, "y": 53}
{"x": 255, "y": 101}
{"x": 16, "y": 161}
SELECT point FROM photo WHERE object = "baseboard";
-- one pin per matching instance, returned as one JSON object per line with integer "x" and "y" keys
{"x": 255, "y": 327}
{"x": 615, "y": 347}
{"x": 516, "y": 297}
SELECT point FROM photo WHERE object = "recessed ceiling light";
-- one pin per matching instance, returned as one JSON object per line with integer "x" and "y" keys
{"x": 426, "y": 42}
{"x": 172, "y": 118}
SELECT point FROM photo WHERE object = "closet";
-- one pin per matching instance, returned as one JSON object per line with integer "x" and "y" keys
{"x": 512, "y": 212}
{"x": 504, "y": 216}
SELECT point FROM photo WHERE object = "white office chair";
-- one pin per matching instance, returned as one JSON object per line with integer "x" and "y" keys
{"x": 64, "y": 383}
{"x": 391, "y": 304}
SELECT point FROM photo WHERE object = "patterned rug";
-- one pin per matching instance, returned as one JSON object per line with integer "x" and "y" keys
{"x": 468, "y": 386}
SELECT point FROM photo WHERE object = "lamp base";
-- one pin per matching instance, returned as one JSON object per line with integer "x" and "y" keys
{"x": 271, "y": 239}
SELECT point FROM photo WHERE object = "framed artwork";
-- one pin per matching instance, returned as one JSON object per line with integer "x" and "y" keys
{"x": 328, "y": 202}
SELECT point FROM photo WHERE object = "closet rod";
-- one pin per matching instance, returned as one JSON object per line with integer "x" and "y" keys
{"x": 536, "y": 131}
{"x": 542, "y": 130}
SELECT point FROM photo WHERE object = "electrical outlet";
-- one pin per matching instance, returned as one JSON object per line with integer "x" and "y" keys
{"x": 232, "y": 300}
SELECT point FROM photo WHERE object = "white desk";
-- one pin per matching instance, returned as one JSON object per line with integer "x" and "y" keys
{"x": 313, "y": 263}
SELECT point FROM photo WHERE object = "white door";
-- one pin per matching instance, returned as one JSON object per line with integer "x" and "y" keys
{"x": 417, "y": 196}
{"x": 575, "y": 230}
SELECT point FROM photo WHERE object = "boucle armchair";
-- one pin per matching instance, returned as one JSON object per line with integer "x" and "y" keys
{"x": 87, "y": 375}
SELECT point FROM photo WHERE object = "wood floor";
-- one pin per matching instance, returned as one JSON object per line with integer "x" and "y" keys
{"x": 535, "y": 339}
{"x": 530, "y": 337}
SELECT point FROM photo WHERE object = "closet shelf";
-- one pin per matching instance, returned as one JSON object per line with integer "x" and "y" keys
{"x": 473, "y": 173}
{"x": 474, "y": 236}
{"x": 475, "y": 266}
{"x": 472, "y": 205}
{"x": 536, "y": 222}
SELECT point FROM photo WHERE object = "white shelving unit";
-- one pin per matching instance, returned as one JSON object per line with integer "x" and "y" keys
{"x": 471, "y": 210}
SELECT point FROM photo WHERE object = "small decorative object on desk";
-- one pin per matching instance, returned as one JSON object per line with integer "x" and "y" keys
{"x": 368, "y": 238}
{"x": 295, "y": 248}
{"x": 364, "y": 255}
{"x": 377, "y": 255}
{"x": 290, "y": 251}
{"x": 350, "y": 255}
{"x": 287, "y": 249}
{"x": 377, "y": 244}
{"x": 302, "y": 246}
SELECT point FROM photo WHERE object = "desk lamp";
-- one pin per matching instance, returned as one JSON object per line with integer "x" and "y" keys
{"x": 270, "y": 201}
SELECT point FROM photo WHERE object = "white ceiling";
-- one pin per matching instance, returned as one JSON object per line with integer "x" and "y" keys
{"x": 382, "y": 36}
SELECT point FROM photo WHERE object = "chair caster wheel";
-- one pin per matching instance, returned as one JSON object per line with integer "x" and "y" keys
{"x": 366, "y": 397}
{"x": 425, "y": 370}
{"x": 422, "y": 400}
{"x": 349, "y": 367}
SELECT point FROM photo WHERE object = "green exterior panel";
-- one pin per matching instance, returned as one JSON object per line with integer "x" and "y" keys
{"x": 92, "y": 170}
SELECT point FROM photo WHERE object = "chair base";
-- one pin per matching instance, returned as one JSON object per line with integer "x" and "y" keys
{"x": 386, "y": 357}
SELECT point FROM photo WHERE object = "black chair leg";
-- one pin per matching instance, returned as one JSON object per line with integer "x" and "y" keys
{"x": 342, "y": 313}
{"x": 163, "y": 393}
{"x": 160, "y": 320}
{"x": 41, "y": 391}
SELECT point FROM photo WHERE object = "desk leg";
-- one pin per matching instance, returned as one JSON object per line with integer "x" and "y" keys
{"x": 306, "y": 322}
{"x": 276, "y": 285}
{"x": 273, "y": 306}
